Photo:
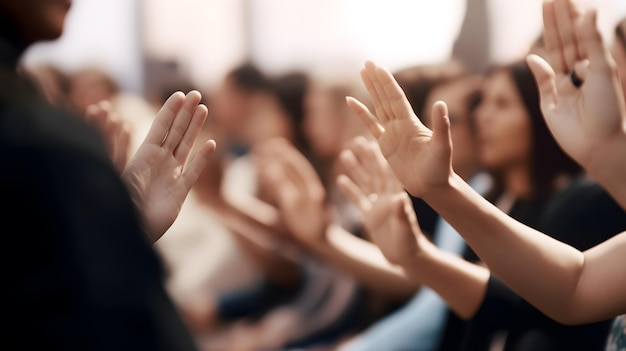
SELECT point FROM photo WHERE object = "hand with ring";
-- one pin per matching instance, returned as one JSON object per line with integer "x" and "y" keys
{"x": 580, "y": 92}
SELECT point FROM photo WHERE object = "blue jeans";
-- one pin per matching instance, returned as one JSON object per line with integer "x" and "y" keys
{"x": 416, "y": 326}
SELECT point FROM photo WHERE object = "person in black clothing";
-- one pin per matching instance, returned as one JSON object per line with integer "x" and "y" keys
{"x": 582, "y": 215}
{"x": 499, "y": 309}
{"x": 82, "y": 273}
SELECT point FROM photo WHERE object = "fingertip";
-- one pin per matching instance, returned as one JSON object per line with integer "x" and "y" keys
{"x": 341, "y": 178}
{"x": 105, "y": 105}
{"x": 194, "y": 92}
{"x": 532, "y": 57}
{"x": 194, "y": 96}
{"x": 360, "y": 140}
{"x": 532, "y": 60}
{"x": 537, "y": 63}
{"x": 441, "y": 120}
{"x": 353, "y": 103}
{"x": 177, "y": 94}
{"x": 344, "y": 155}
{"x": 441, "y": 108}
{"x": 92, "y": 109}
{"x": 343, "y": 182}
{"x": 379, "y": 71}
{"x": 203, "y": 109}
{"x": 176, "y": 98}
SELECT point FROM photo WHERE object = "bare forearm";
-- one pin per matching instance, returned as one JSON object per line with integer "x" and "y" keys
{"x": 609, "y": 169}
{"x": 539, "y": 268}
{"x": 268, "y": 249}
{"x": 364, "y": 260}
{"x": 460, "y": 283}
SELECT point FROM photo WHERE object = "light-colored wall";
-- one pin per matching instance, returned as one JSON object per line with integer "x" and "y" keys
{"x": 98, "y": 32}
{"x": 208, "y": 37}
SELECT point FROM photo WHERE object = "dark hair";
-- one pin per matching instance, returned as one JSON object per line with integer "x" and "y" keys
{"x": 248, "y": 77}
{"x": 620, "y": 32}
{"x": 548, "y": 160}
{"x": 290, "y": 90}
{"x": 419, "y": 80}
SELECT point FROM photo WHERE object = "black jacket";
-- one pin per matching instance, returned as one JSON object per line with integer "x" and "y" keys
{"x": 79, "y": 273}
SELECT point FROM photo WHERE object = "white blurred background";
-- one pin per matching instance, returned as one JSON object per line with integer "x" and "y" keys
{"x": 138, "y": 40}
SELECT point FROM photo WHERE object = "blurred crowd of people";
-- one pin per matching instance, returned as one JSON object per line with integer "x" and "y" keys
{"x": 323, "y": 213}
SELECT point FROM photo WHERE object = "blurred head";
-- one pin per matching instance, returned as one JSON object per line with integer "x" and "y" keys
{"x": 504, "y": 124}
{"x": 232, "y": 99}
{"x": 31, "y": 21}
{"x": 51, "y": 81}
{"x": 462, "y": 96}
{"x": 417, "y": 81}
{"x": 279, "y": 110}
{"x": 88, "y": 86}
{"x": 328, "y": 122}
{"x": 512, "y": 131}
{"x": 618, "y": 50}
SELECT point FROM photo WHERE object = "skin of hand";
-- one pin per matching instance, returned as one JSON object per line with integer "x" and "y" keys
{"x": 115, "y": 132}
{"x": 588, "y": 122}
{"x": 390, "y": 219}
{"x": 301, "y": 200}
{"x": 297, "y": 188}
{"x": 556, "y": 278}
{"x": 419, "y": 157}
{"x": 388, "y": 216}
{"x": 162, "y": 171}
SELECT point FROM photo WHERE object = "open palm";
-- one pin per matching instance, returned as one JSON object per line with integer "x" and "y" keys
{"x": 419, "y": 157}
{"x": 586, "y": 119}
{"x": 159, "y": 175}
{"x": 300, "y": 194}
{"x": 388, "y": 216}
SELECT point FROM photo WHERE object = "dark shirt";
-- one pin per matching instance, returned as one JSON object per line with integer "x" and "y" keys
{"x": 426, "y": 215}
{"x": 457, "y": 332}
{"x": 582, "y": 215}
{"x": 79, "y": 272}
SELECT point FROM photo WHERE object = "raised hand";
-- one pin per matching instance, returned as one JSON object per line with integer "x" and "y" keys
{"x": 388, "y": 216}
{"x": 589, "y": 121}
{"x": 420, "y": 158}
{"x": 114, "y": 131}
{"x": 297, "y": 189}
{"x": 161, "y": 172}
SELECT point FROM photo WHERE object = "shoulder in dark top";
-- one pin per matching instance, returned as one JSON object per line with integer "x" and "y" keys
{"x": 583, "y": 215}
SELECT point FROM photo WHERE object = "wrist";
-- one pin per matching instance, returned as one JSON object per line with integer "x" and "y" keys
{"x": 439, "y": 191}
{"x": 415, "y": 263}
{"x": 318, "y": 239}
{"x": 605, "y": 165}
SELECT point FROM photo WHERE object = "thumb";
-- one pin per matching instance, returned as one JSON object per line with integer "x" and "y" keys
{"x": 545, "y": 79}
{"x": 441, "y": 129}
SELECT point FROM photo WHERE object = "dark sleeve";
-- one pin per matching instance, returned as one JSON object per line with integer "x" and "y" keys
{"x": 583, "y": 216}
{"x": 81, "y": 275}
{"x": 427, "y": 217}
{"x": 495, "y": 314}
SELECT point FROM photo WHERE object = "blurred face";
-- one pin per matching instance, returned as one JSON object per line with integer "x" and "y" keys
{"x": 267, "y": 120}
{"x": 37, "y": 20}
{"x": 229, "y": 107}
{"x": 619, "y": 54}
{"x": 89, "y": 88}
{"x": 503, "y": 125}
{"x": 455, "y": 95}
{"x": 323, "y": 123}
